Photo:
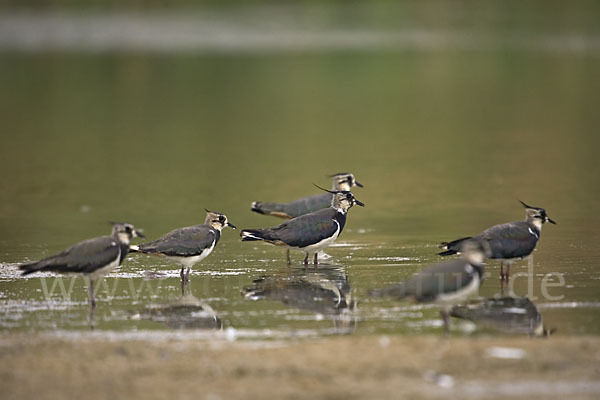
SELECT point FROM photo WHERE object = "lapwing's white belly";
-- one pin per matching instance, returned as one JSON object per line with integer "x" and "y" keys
{"x": 314, "y": 248}
{"x": 188, "y": 262}
{"x": 450, "y": 299}
{"x": 108, "y": 268}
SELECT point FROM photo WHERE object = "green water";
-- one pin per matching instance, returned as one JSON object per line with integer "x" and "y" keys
{"x": 445, "y": 142}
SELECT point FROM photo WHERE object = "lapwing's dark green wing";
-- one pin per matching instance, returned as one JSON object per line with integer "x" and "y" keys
{"x": 84, "y": 257}
{"x": 444, "y": 278}
{"x": 512, "y": 240}
{"x": 308, "y": 204}
{"x": 305, "y": 230}
{"x": 294, "y": 208}
{"x": 183, "y": 242}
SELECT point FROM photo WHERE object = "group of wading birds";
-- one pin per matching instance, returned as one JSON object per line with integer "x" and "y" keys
{"x": 312, "y": 224}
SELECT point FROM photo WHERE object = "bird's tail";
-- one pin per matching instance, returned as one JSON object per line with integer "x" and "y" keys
{"x": 30, "y": 268}
{"x": 275, "y": 209}
{"x": 452, "y": 247}
{"x": 249, "y": 235}
{"x": 397, "y": 291}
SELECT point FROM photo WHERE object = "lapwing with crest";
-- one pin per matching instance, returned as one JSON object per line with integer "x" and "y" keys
{"x": 508, "y": 242}
{"x": 92, "y": 258}
{"x": 189, "y": 245}
{"x": 312, "y": 232}
{"x": 343, "y": 181}
{"x": 446, "y": 284}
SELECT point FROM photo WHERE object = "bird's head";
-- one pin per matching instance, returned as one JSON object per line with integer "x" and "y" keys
{"x": 344, "y": 181}
{"x": 217, "y": 220}
{"x": 124, "y": 232}
{"x": 536, "y": 215}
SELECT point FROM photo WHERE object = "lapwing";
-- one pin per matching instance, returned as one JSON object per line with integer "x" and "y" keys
{"x": 508, "y": 242}
{"x": 311, "y": 232}
{"x": 305, "y": 205}
{"x": 343, "y": 181}
{"x": 507, "y": 314}
{"x": 190, "y": 245}
{"x": 445, "y": 284}
{"x": 93, "y": 258}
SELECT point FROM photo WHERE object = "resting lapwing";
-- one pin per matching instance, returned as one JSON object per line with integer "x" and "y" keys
{"x": 93, "y": 258}
{"x": 311, "y": 232}
{"x": 190, "y": 245}
{"x": 445, "y": 284}
{"x": 343, "y": 181}
{"x": 508, "y": 242}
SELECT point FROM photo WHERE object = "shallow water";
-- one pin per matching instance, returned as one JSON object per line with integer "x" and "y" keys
{"x": 445, "y": 139}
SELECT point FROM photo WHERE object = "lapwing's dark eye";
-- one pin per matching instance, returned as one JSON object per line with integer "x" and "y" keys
{"x": 221, "y": 219}
{"x": 128, "y": 229}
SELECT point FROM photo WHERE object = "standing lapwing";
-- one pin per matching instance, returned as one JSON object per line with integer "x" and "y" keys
{"x": 508, "y": 242}
{"x": 93, "y": 257}
{"x": 445, "y": 284}
{"x": 190, "y": 245}
{"x": 344, "y": 181}
{"x": 304, "y": 205}
{"x": 311, "y": 232}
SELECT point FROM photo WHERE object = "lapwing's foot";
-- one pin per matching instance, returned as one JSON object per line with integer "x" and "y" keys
{"x": 92, "y": 316}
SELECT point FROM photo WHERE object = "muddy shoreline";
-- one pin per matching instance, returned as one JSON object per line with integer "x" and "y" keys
{"x": 43, "y": 366}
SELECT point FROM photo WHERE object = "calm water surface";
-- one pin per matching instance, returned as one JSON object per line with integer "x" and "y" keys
{"x": 444, "y": 140}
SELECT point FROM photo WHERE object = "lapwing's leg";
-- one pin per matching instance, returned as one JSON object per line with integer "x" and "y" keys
{"x": 446, "y": 318}
{"x": 92, "y": 304}
{"x": 92, "y": 317}
{"x": 306, "y": 259}
{"x": 182, "y": 274}
{"x": 501, "y": 271}
{"x": 187, "y": 274}
{"x": 91, "y": 290}
{"x": 185, "y": 288}
{"x": 507, "y": 273}
{"x": 289, "y": 260}
{"x": 316, "y": 261}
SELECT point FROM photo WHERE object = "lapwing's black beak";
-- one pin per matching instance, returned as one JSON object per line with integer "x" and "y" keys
{"x": 360, "y": 203}
{"x": 357, "y": 183}
{"x": 231, "y": 225}
{"x": 139, "y": 234}
{"x": 551, "y": 221}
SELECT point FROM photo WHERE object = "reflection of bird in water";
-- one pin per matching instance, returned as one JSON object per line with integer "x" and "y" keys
{"x": 187, "y": 312}
{"x": 508, "y": 314}
{"x": 324, "y": 291}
